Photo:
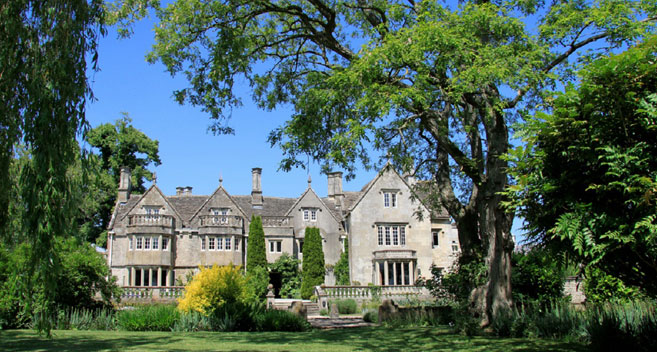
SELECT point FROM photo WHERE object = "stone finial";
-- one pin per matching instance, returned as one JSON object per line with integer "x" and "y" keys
{"x": 221, "y": 180}
{"x": 310, "y": 180}
{"x": 154, "y": 178}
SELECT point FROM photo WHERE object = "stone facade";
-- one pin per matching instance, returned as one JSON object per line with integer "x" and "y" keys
{"x": 157, "y": 240}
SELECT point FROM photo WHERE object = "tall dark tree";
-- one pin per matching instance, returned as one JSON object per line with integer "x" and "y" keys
{"x": 119, "y": 144}
{"x": 312, "y": 273}
{"x": 587, "y": 180}
{"x": 342, "y": 267}
{"x": 44, "y": 46}
{"x": 256, "y": 256}
{"x": 433, "y": 86}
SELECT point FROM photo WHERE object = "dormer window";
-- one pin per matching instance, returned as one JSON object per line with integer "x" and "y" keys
{"x": 390, "y": 199}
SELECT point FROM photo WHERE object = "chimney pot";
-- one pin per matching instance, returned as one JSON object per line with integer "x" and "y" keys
{"x": 256, "y": 189}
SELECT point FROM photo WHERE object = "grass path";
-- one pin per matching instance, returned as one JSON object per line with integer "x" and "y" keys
{"x": 358, "y": 339}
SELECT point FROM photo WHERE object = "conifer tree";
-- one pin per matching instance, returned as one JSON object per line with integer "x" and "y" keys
{"x": 313, "y": 262}
{"x": 255, "y": 255}
{"x": 342, "y": 266}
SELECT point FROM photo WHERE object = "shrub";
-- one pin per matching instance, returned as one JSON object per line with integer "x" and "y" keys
{"x": 192, "y": 321}
{"x": 214, "y": 287}
{"x": 342, "y": 266}
{"x": 239, "y": 316}
{"x": 346, "y": 306}
{"x": 148, "y": 318}
{"x": 288, "y": 267}
{"x": 257, "y": 281}
{"x": 313, "y": 262}
{"x": 629, "y": 326}
{"x": 536, "y": 275}
{"x": 371, "y": 316}
{"x": 280, "y": 320}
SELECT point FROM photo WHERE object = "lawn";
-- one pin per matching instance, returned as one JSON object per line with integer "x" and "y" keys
{"x": 358, "y": 339}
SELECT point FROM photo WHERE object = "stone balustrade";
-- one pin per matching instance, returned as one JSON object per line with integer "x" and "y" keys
{"x": 220, "y": 221}
{"x": 153, "y": 293}
{"x": 276, "y": 221}
{"x": 364, "y": 293}
{"x": 150, "y": 220}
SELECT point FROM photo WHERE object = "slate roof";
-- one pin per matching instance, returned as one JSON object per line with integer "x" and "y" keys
{"x": 187, "y": 205}
{"x": 271, "y": 206}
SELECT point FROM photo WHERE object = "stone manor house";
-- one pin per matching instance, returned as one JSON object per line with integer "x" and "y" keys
{"x": 156, "y": 240}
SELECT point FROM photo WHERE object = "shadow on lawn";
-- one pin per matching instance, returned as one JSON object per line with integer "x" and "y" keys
{"x": 369, "y": 338}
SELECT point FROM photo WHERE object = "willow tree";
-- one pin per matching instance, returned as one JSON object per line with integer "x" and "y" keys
{"x": 433, "y": 86}
{"x": 44, "y": 46}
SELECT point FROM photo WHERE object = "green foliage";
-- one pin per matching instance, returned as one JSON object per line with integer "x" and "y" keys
{"x": 457, "y": 285}
{"x": 256, "y": 255}
{"x": 119, "y": 144}
{"x": 281, "y": 320}
{"x": 342, "y": 266}
{"x": 257, "y": 281}
{"x": 148, "y": 318}
{"x": 44, "y": 89}
{"x": 371, "y": 316}
{"x": 313, "y": 262}
{"x": 192, "y": 321}
{"x": 86, "y": 319}
{"x": 629, "y": 326}
{"x": 82, "y": 273}
{"x": 600, "y": 287}
{"x": 288, "y": 267}
{"x": 536, "y": 276}
{"x": 346, "y": 306}
{"x": 588, "y": 175}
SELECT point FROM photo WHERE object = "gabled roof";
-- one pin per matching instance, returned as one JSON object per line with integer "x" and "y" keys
{"x": 309, "y": 190}
{"x": 271, "y": 206}
{"x": 153, "y": 188}
{"x": 219, "y": 190}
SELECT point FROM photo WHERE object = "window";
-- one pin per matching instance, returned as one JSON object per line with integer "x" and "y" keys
{"x": 147, "y": 243}
{"x": 130, "y": 242}
{"x": 313, "y": 215}
{"x": 152, "y": 213}
{"x": 237, "y": 244}
{"x": 274, "y": 246}
{"x": 389, "y": 199}
{"x": 455, "y": 247}
{"x": 305, "y": 215}
{"x": 301, "y": 246}
{"x": 391, "y": 235}
{"x": 165, "y": 244}
{"x": 211, "y": 243}
{"x": 434, "y": 238}
{"x": 227, "y": 243}
{"x": 220, "y": 243}
{"x": 139, "y": 240}
{"x": 155, "y": 243}
{"x": 202, "y": 243}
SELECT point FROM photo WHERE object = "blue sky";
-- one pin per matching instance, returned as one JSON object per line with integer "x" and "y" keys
{"x": 190, "y": 155}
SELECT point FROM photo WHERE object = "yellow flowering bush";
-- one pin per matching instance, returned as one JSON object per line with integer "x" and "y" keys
{"x": 212, "y": 288}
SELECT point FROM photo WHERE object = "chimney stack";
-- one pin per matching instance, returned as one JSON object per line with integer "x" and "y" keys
{"x": 256, "y": 189}
{"x": 335, "y": 187}
{"x": 179, "y": 191}
{"x": 125, "y": 185}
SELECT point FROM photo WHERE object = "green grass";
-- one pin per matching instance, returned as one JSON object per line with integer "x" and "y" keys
{"x": 360, "y": 339}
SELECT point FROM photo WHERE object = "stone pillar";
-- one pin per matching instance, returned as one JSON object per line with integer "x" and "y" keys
{"x": 394, "y": 273}
{"x": 411, "y": 275}
{"x": 385, "y": 273}
{"x": 159, "y": 276}
{"x": 402, "y": 275}
{"x": 270, "y": 297}
{"x": 133, "y": 281}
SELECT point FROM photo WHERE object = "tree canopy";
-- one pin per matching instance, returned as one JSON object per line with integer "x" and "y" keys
{"x": 432, "y": 86}
{"x": 587, "y": 178}
{"x": 119, "y": 144}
